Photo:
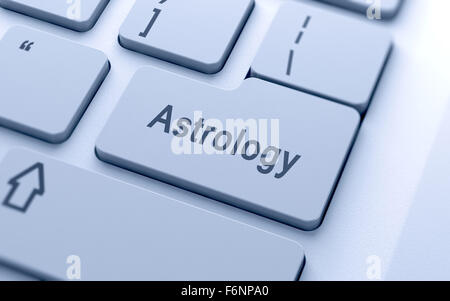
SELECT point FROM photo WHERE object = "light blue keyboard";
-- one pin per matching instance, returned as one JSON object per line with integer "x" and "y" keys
{"x": 274, "y": 146}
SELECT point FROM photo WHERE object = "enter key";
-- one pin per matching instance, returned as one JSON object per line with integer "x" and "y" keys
{"x": 264, "y": 148}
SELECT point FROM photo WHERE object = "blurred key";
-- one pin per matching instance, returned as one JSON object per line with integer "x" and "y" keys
{"x": 373, "y": 9}
{"x": 197, "y": 34}
{"x": 79, "y": 15}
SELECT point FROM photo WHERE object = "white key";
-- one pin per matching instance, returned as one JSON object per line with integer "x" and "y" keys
{"x": 46, "y": 83}
{"x": 373, "y": 9}
{"x": 285, "y": 167}
{"x": 61, "y": 222}
{"x": 79, "y": 15}
{"x": 197, "y": 34}
{"x": 323, "y": 53}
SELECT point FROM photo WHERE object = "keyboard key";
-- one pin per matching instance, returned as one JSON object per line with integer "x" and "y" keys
{"x": 284, "y": 149}
{"x": 323, "y": 53}
{"x": 46, "y": 83}
{"x": 108, "y": 230}
{"x": 197, "y": 34}
{"x": 387, "y": 9}
{"x": 77, "y": 15}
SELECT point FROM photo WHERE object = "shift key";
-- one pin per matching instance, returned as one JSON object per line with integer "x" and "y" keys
{"x": 60, "y": 222}
{"x": 262, "y": 147}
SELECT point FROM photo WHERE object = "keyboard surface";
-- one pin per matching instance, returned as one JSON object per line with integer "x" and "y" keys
{"x": 79, "y": 148}
{"x": 427, "y": 219}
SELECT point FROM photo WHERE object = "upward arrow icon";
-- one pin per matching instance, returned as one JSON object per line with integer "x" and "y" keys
{"x": 25, "y": 187}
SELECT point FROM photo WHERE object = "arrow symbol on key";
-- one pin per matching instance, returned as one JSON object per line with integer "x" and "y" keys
{"x": 25, "y": 187}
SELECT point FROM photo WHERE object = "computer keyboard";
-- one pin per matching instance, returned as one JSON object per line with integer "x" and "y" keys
{"x": 311, "y": 80}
